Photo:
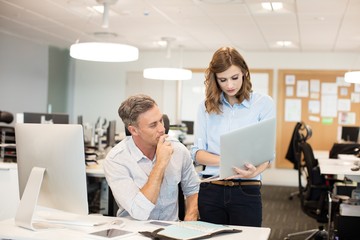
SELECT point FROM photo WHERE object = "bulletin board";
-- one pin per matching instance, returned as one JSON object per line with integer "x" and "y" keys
{"x": 322, "y": 100}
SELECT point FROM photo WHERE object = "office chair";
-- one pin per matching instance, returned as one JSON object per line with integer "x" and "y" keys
{"x": 6, "y": 133}
{"x": 313, "y": 193}
{"x": 300, "y": 133}
{"x": 315, "y": 198}
{"x": 113, "y": 207}
{"x": 6, "y": 117}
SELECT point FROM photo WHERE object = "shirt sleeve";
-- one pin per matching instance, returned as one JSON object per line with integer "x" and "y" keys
{"x": 126, "y": 192}
{"x": 189, "y": 178}
{"x": 268, "y": 110}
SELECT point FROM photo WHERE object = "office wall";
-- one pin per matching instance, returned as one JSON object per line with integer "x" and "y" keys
{"x": 98, "y": 90}
{"x": 58, "y": 79}
{"x": 23, "y": 75}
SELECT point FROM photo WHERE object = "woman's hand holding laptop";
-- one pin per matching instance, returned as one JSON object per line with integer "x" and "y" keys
{"x": 248, "y": 170}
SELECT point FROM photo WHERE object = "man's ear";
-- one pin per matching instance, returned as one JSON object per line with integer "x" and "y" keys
{"x": 133, "y": 130}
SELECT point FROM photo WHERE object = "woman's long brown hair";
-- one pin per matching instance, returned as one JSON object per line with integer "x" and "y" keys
{"x": 222, "y": 59}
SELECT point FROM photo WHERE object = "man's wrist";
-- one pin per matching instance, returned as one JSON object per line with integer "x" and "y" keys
{"x": 191, "y": 216}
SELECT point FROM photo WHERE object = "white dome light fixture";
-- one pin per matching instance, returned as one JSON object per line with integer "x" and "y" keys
{"x": 104, "y": 51}
{"x": 352, "y": 77}
{"x": 167, "y": 73}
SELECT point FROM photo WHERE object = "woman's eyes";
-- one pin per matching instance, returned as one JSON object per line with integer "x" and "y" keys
{"x": 224, "y": 79}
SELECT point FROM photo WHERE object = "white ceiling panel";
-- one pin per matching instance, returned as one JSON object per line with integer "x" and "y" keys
{"x": 321, "y": 25}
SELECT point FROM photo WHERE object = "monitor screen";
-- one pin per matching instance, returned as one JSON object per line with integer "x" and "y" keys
{"x": 190, "y": 126}
{"x": 350, "y": 133}
{"x": 80, "y": 120}
{"x": 59, "y": 148}
{"x": 110, "y": 133}
{"x": 58, "y": 118}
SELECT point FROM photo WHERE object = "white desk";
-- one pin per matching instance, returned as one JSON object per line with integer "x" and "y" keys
{"x": 9, "y": 190}
{"x": 95, "y": 170}
{"x": 339, "y": 167}
{"x": 8, "y": 230}
{"x": 321, "y": 154}
{"x": 349, "y": 157}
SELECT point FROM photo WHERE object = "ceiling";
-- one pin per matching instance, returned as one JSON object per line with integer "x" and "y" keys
{"x": 200, "y": 25}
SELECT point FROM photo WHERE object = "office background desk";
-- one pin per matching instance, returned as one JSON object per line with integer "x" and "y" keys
{"x": 346, "y": 226}
{"x": 8, "y": 230}
{"x": 9, "y": 190}
{"x": 339, "y": 167}
{"x": 95, "y": 170}
{"x": 107, "y": 204}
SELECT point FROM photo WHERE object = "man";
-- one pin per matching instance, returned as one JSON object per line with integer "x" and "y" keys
{"x": 144, "y": 169}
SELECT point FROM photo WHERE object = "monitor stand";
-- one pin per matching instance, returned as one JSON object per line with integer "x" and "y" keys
{"x": 28, "y": 202}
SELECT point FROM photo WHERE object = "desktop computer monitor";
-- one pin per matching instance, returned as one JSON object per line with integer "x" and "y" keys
{"x": 189, "y": 126}
{"x": 58, "y": 118}
{"x": 59, "y": 148}
{"x": 110, "y": 134}
{"x": 350, "y": 133}
{"x": 80, "y": 120}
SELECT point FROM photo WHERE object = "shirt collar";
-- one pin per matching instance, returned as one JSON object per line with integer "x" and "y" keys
{"x": 246, "y": 103}
{"x": 135, "y": 152}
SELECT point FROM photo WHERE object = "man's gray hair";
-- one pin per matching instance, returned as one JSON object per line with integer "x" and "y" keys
{"x": 133, "y": 106}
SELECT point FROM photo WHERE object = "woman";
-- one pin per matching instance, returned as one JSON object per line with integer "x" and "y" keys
{"x": 230, "y": 104}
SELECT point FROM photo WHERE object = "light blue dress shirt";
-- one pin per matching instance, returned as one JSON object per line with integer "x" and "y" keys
{"x": 127, "y": 170}
{"x": 209, "y": 127}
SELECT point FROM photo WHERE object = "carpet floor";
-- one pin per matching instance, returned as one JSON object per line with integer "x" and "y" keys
{"x": 283, "y": 215}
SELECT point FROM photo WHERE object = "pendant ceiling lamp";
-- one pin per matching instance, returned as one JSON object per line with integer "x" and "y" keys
{"x": 104, "y": 51}
{"x": 167, "y": 73}
{"x": 352, "y": 77}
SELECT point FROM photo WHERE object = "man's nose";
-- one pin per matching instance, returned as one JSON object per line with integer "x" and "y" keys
{"x": 161, "y": 127}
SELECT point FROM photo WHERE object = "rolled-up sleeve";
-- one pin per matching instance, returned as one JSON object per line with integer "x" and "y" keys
{"x": 189, "y": 178}
{"x": 125, "y": 189}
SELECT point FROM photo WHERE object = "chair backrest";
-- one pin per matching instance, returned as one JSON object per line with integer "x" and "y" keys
{"x": 6, "y": 117}
{"x": 301, "y": 133}
{"x": 166, "y": 122}
{"x": 313, "y": 193}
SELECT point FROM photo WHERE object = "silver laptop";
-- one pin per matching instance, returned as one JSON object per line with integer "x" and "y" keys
{"x": 253, "y": 144}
